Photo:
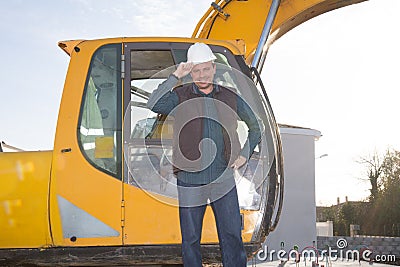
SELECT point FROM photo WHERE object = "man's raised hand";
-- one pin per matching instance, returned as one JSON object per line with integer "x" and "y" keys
{"x": 183, "y": 69}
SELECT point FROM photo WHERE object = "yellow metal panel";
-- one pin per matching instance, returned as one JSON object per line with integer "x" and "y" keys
{"x": 209, "y": 234}
{"x": 250, "y": 221}
{"x": 235, "y": 46}
{"x": 68, "y": 46}
{"x": 24, "y": 187}
{"x": 73, "y": 177}
{"x": 90, "y": 190}
{"x": 150, "y": 220}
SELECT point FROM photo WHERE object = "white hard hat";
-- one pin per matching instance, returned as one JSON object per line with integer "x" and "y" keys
{"x": 200, "y": 53}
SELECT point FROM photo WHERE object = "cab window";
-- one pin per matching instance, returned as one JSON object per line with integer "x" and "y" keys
{"x": 99, "y": 130}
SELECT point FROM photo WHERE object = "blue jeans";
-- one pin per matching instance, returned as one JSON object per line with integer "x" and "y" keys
{"x": 227, "y": 216}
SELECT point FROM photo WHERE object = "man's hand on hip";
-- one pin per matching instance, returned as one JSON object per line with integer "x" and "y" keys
{"x": 239, "y": 162}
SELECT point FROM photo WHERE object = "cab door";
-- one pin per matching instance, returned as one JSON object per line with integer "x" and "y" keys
{"x": 86, "y": 185}
{"x": 150, "y": 192}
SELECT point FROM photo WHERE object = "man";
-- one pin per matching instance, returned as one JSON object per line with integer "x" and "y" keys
{"x": 206, "y": 151}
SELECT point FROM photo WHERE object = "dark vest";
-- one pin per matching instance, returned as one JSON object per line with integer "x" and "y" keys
{"x": 188, "y": 126}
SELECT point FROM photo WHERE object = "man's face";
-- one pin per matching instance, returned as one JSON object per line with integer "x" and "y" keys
{"x": 203, "y": 74}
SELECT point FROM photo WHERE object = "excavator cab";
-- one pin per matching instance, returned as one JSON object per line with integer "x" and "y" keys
{"x": 111, "y": 195}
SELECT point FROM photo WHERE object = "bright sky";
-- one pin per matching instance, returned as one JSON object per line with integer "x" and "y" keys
{"x": 337, "y": 73}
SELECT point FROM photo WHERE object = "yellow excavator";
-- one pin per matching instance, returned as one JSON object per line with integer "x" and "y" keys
{"x": 105, "y": 195}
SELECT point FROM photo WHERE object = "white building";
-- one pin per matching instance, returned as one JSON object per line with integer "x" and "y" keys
{"x": 325, "y": 228}
{"x": 297, "y": 226}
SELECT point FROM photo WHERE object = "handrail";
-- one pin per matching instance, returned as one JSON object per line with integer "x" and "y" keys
{"x": 259, "y": 54}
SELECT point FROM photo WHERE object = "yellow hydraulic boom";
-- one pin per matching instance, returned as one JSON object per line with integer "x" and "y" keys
{"x": 245, "y": 20}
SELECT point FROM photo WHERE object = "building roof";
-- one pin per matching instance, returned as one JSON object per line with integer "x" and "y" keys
{"x": 297, "y": 130}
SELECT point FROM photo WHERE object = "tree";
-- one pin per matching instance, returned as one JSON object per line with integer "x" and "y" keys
{"x": 383, "y": 217}
{"x": 374, "y": 170}
{"x": 389, "y": 199}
